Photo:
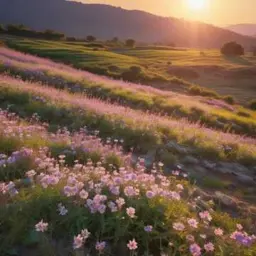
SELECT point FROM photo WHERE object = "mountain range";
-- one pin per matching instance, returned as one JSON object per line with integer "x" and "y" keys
{"x": 244, "y": 29}
{"x": 105, "y": 22}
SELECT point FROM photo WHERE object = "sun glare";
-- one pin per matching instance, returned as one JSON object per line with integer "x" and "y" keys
{"x": 197, "y": 4}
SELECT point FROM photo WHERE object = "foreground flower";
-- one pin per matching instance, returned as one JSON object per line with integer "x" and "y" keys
{"x": 85, "y": 233}
{"x": 62, "y": 209}
{"x": 130, "y": 212}
{"x": 205, "y": 216}
{"x": 41, "y": 226}
{"x": 178, "y": 226}
{"x": 148, "y": 228}
{"x": 209, "y": 247}
{"x": 193, "y": 223}
{"x": 218, "y": 232}
{"x": 100, "y": 246}
{"x": 132, "y": 245}
{"x": 195, "y": 249}
{"x": 78, "y": 241}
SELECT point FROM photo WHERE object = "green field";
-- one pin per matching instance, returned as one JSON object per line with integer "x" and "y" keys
{"x": 164, "y": 68}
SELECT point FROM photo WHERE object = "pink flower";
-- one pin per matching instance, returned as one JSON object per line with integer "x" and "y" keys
{"x": 85, "y": 233}
{"x": 83, "y": 194}
{"x": 178, "y": 226}
{"x": 130, "y": 212}
{"x": 239, "y": 226}
{"x": 102, "y": 208}
{"x": 132, "y": 245}
{"x": 195, "y": 249}
{"x": 150, "y": 194}
{"x": 205, "y": 216}
{"x": 179, "y": 186}
{"x": 120, "y": 202}
{"x": 209, "y": 247}
{"x": 41, "y": 226}
{"x": 78, "y": 241}
{"x": 193, "y": 223}
{"x": 100, "y": 246}
{"x": 190, "y": 238}
{"x": 218, "y": 232}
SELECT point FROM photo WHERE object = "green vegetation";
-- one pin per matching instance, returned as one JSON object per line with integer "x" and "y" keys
{"x": 209, "y": 112}
{"x": 83, "y": 112}
{"x": 232, "y": 49}
{"x": 165, "y": 68}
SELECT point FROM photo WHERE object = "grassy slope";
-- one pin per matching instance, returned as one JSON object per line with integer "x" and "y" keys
{"x": 211, "y": 113}
{"x": 154, "y": 65}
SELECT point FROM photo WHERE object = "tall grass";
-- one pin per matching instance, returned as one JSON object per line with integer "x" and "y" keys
{"x": 138, "y": 129}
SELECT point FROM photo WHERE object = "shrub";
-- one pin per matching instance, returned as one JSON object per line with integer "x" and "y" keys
{"x": 90, "y": 38}
{"x": 130, "y": 43}
{"x": 1, "y": 28}
{"x": 113, "y": 68}
{"x": 135, "y": 69}
{"x": 197, "y": 90}
{"x": 243, "y": 114}
{"x": 229, "y": 99}
{"x": 252, "y": 104}
{"x": 232, "y": 49}
{"x": 71, "y": 39}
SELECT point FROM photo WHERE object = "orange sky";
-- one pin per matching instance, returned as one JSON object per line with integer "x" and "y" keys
{"x": 218, "y": 12}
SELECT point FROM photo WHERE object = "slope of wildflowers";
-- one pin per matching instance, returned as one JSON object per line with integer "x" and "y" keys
{"x": 70, "y": 203}
{"x": 138, "y": 129}
{"x": 209, "y": 112}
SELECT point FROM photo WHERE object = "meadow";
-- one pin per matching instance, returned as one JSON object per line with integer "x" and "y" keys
{"x": 90, "y": 165}
{"x": 166, "y": 68}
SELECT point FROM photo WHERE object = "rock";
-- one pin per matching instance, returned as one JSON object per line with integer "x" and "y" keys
{"x": 245, "y": 179}
{"x": 190, "y": 160}
{"x": 209, "y": 165}
{"x": 232, "y": 167}
{"x": 150, "y": 158}
{"x": 173, "y": 146}
{"x": 225, "y": 199}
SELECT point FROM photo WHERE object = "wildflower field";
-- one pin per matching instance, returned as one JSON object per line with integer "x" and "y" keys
{"x": 95, "y": 166}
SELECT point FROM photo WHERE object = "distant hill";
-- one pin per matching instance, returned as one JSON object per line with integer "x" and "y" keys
{"x": 106, "y": 22}
{"x": 244, "y": 29}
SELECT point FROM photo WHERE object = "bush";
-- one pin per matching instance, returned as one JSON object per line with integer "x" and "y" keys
{"x": 1, "y": 28}
{"x": 229, "y": 99}
{"x": 197, "y": 90}
{"x": 90, "y": 38}
{"x": 71, "y": 39}
{"x": 135, "y": 69}
{"x": 252, "y": 104}
{"x": 113, "y": 68}
{"x": 232, "y": 49}
{"x": 130, "y": 43}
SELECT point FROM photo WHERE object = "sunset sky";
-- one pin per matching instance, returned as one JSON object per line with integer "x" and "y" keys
{"x": 218, "y": 12}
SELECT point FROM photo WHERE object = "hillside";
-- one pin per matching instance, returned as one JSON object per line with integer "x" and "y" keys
{"x": 106, "y": 22}
{"x": 91, "y": 165}
{"x": 244, "y": 29}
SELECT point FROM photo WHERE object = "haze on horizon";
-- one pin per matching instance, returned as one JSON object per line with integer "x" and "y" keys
{"x": 217, "y": 12}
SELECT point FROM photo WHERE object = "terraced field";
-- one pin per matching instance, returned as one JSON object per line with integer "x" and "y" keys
{"x": 95, "y": 166}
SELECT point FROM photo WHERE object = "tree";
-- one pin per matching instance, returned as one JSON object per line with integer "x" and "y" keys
{"x": 90, "y": 38}
{"x": 115, "y": 40}
{"x": 130, "y": 43}
{"x": 232, "y": 49}
{"x": 1, "y": 28}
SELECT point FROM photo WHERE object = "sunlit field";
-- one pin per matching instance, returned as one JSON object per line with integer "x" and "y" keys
{"x": 94, "y": 165}
{"x": 162, "y": 67}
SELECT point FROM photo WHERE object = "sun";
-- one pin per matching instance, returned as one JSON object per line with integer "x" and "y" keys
{"x": 197, "y": 4}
